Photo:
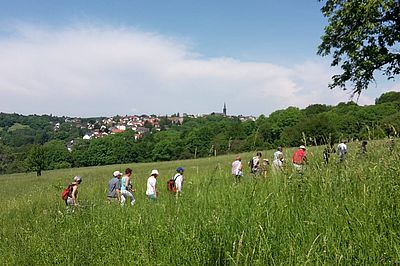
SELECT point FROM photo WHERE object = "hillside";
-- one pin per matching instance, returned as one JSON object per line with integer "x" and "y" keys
{"x": 36, "y": 143}
{"x": 338, "y": 213}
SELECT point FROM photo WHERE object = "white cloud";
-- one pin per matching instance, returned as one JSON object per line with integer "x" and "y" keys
{"x": 87, "y": 70}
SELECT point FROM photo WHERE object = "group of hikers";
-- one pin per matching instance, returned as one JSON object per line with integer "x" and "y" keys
{"x": 120, "y": 187}
{"x": 260, "y": 167}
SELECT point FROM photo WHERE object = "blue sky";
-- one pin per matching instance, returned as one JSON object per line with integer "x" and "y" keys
{"x": 163, "y": 57}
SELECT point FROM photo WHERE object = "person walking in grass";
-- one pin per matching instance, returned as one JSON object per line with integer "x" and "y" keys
{"x": 342, "y": 150}
{"x": 255, "y": 164}
{"x": 114, "y": 187}
{"x": 126, "y": 188}
{"x": 327, "y": 152}
{"x": 264, "y": 168}
{"x": 151, "y": 191}
{"x": 178, "y": 177}
{"x": 237, "y": 169}
{"x": 299, "y": 159}
{"x": 363, "y": 148}
{"x": 72, "y": 199}
{"x": 277, "y": 163}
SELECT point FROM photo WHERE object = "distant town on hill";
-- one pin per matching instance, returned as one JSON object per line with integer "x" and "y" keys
{"x": 45, "y": 142}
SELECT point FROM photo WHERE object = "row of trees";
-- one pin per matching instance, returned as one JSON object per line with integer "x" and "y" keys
{"x": 317, "y": 124}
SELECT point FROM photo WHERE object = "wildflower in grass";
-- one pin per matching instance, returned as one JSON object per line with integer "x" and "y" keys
{"x": 126, "y": 188}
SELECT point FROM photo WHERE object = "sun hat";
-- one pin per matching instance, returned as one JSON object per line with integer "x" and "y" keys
{"x": 117, "y": 173}
{"x": 78, "y": 179}
{"x": 154, "y": 172}
{"x": 302, "y": 147}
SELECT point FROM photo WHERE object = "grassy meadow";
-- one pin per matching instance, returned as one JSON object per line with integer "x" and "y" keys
{"x": 342, "y": 213}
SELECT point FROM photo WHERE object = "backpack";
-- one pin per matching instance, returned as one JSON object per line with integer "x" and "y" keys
{"x": 66, "y": 192}
{"x": 251, "y": 163}
{"x": 171, "y": 184}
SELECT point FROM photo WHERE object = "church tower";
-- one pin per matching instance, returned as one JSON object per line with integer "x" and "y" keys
{"x": 224, "y": 110}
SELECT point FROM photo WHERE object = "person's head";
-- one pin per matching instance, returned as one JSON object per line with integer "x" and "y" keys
{"x": 180, "y": 170}
{"x": 117, "y": 174}
{"x": 279, "y": 148}
{"x": 128, "y": 171}
{"x": 259, "y": 154}
{"x": 154, "y": 173}
{"x": 364, "y": 143}
{"x": 238, "y": 158}
{"x": 78, "y": 179}
{"x": 302, "y": 147}
{"x": 265, "y": 162}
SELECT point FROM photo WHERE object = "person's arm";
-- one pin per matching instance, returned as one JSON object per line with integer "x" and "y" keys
{"x": 127, "y": 182}
{"x": 154, "y": 187}
{"x": 73, "y": 195}
{"x": 118, "y": 192}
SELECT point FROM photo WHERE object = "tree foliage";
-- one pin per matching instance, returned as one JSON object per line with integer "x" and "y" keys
{"x": 36, "y": 159}
{"x": 197, "y": 137}
{"x": 363, "y": 36}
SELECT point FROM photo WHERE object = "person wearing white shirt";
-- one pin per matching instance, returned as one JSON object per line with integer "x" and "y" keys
{"x": 237, "y": 169}
{"x": 151, "y": 191}
{"x": 278, "y": 160}
{"x": 126, "y": 188}
{"x": 342, "y": 150}
{"x": 178, "y": 177}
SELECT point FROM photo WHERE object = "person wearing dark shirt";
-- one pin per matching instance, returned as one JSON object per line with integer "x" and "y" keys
{"x": 114, "y": 187}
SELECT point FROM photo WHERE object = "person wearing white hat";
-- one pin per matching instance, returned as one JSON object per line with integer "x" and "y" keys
{"x": 72, "y": 199}
{"x": 126, "y": 187}
{"x": 279, "y": 158}
{"x": 151, "y": 191}
{"x": 299, "y": 159}
{"x": 114, "y": 187}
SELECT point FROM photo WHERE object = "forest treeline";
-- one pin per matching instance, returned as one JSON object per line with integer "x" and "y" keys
{"x": 30, "y": 143}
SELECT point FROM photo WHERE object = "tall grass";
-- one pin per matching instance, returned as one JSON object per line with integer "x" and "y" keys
{"x": 341, "y": 213}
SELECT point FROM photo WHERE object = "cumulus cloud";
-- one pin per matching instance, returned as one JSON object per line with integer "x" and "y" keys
{"x": 86, "y": 70}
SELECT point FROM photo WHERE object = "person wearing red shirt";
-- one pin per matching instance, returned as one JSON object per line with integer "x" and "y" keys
{"x": 299, "y": 158}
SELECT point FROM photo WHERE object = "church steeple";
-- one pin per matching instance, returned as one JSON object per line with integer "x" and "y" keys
{"x": 224, "y": 110}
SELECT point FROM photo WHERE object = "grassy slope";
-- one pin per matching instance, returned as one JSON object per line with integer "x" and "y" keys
{"x": 341, "y": 213}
